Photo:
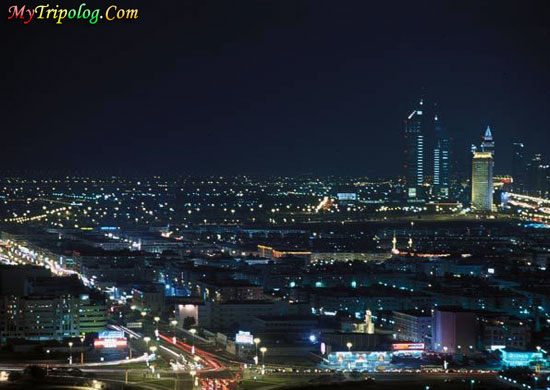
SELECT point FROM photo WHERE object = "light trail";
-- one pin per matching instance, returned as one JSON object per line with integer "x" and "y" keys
{"x": 209, "y": 359}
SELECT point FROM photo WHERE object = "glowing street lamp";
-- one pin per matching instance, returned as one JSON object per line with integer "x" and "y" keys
{"x": 147, "y": 339}
{"x": 157, "y": 319}
{"x": 70, "y": 352}
{"x": 193, "y": 331}
{"x": 263, "y": 350}
{"x": 153, "y": 349}
{"x": 82, "y": 338}
{"x": 174, "y": 323}
{"x": 193, "y": 374}
{"x": 256, "y": 342}
{"x": 349, "y": 345}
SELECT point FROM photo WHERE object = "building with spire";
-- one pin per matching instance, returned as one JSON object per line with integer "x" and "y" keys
{"x": 482, "y": 175}
{"x": 415, "y": 127}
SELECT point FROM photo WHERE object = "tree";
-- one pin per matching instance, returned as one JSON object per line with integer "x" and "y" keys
{"x": 188, "y": 322}
{"x": 35, "y": 372}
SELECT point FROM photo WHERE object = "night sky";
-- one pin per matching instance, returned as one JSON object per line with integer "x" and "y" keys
{"x": 275, "y": 87}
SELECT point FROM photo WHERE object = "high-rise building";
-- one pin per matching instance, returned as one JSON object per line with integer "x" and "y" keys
{"x": 519, "y": 168}
{"x": 538, "y": 177}
{"x": 442, "y": 159}
{"x": 414, "y": 152}
{"x": 482, "y": 181}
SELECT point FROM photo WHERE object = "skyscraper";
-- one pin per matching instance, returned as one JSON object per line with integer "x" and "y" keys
{"x": 538, "y": 177}
{"x": 441, "y": 161}
{"x": 482, "y": 174}
{"x": 519, "y": 168}
{"x": 414, "y": 152}
{"x": 482, "y": 181}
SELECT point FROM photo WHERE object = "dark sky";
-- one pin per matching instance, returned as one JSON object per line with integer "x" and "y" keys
{"x": 289, "y": 87}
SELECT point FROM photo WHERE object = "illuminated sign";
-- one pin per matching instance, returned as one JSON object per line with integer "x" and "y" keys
{"x": 408, "y": 347}
{"x": 110, "y": 343}
{"x": 111, "y": 334}
{"x": 110, "y": 339}
{"x": 520, "y": 358}
{"x": 244, "y": 338}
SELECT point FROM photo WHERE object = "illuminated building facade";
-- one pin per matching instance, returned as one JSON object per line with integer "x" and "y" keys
{"x": 38, "y": 317}
{"x": 454, "y": 331}
{"x": 441, "y": 159}
{"x": 414, "y": 152}
{"x": 413, "y": 326}
{"x": 360, "y": 361}
{"x": 482, "y": 181}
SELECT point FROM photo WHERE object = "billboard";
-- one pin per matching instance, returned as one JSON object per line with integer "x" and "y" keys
{"x": 408, "y": 347}
{"x": 244, "y": 338}
{"x": 110, "y": 339}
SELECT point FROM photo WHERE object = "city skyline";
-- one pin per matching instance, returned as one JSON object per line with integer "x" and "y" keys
{"x": 254, "y": 83}
{"x": 276, "y": 195}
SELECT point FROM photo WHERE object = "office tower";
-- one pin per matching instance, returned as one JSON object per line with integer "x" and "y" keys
{"x": 538, "y": 177}
{"x": 482, "y": 181}
{"x": 519, "y": 168}
{"x": 441, "y": 161}
{"x": 414, "y": 152}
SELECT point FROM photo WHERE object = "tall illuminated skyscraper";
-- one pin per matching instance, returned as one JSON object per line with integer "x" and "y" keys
{"x": 414, "y": 152}
{"x": 441, "y": 162}
{"x": 482, "y": 181}
{"x": 482, "y": 174}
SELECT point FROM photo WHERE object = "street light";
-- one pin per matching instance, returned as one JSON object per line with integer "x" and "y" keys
{"x": 47, "y": 364}
{"x": 153, "y": 349}
{"x": 193, "y": 331}
{"x": 157, "y": 319}
{"x": 147, "y": 339}
{"x": 263, "y": 350}
{"x": 82, "y": 338}
{"x": 143, "y": 314}
{"x": 256, "y": 342}
{"x": 349, "y": 345}
{"x": 193, "y": 373}
{"x": 174, "y": 323}
{"x": 70, "y": 352}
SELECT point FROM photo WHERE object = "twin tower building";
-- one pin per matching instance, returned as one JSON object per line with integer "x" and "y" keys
{"x": 428, "y": 164}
